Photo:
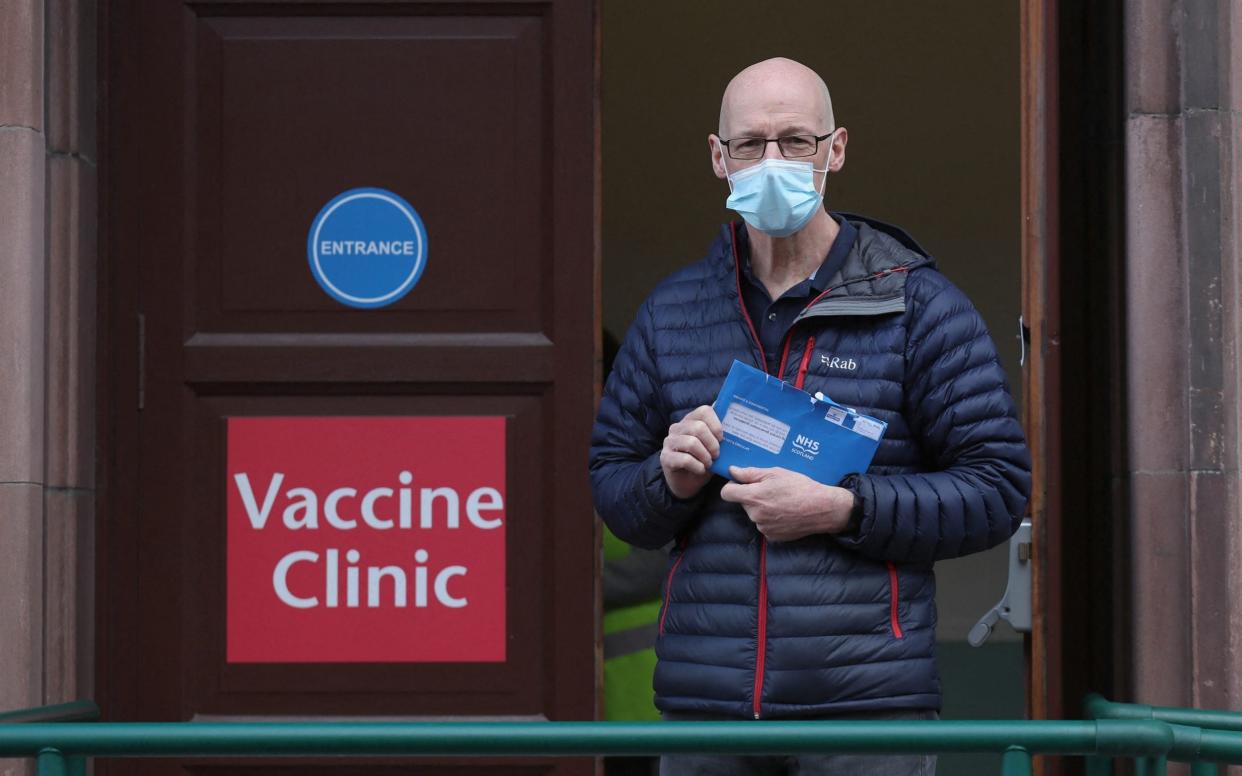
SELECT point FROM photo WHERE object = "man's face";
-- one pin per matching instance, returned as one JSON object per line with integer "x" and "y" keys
{"x": 775, "y": 101}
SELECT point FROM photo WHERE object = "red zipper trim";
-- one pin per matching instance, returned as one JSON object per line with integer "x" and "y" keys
{"x": 762, "y": 646}
{"x": 668, "y": 588}
{"x": 763, "y": 543}
{"x": 763, "y": 622}
{"x": 894, "y": 592}
{"x": 780, "y": 370}
{"x": 741, "y": 301}
{"x": 806, "y": 360}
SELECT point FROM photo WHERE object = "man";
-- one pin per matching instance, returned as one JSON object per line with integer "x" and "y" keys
{"x": 788, "y": 598}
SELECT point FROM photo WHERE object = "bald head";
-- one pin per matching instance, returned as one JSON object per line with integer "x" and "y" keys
{"x": 775, "y": 91}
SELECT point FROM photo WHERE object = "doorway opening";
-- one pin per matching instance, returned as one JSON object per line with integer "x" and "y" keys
{"x": 935, "y": 148}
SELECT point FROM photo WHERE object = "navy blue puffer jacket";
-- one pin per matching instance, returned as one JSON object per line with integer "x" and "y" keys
{"x": 825, "y": 624}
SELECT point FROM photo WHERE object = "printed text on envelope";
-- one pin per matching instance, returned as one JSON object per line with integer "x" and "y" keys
{"x": 752, "y": 426}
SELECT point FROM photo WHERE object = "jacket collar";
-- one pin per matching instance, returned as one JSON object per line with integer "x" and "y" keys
{"x": 871, "y": 281}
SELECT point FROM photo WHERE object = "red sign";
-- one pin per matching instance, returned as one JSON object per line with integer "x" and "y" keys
{"x": 366, "y": 540}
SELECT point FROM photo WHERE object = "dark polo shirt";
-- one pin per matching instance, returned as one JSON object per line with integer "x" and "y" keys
{"x": 772, "y": 319}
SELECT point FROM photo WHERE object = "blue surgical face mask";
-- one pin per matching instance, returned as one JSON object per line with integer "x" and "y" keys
{"x": 777, "y": 196}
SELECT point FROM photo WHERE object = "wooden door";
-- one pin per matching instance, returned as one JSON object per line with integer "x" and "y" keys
{"x": 1042, "y": 349}
{"x": 228, "y": 125}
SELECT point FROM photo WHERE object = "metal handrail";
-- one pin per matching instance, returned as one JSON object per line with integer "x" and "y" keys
{"x": 1099, "y": 707}
{"x": 61, "y": 713}
{"x": 1211, "y": 727}
{"x": 73, "y": 711}
{"x": 60, "y": 747}
{"x": 228, "y": 739}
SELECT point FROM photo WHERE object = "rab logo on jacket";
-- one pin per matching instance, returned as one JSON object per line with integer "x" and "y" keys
{"x": 836, "y": 362}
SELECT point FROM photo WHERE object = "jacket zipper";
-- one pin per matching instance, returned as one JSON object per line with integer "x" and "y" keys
{"x": 763, "y": 623}
{"x": 806, "y": 360}
{"x": 894, "y": 594}
{"x": 763, "y": 543}
{"x": 761, "y": 647}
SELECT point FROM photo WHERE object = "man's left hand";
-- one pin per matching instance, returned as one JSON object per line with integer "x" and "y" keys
{"x": 786, "y": 505}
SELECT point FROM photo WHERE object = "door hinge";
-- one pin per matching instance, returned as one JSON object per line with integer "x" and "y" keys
{"x": 142, "y": 360}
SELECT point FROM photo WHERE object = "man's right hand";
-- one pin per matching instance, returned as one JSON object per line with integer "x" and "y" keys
{"x": 689, "y": 449}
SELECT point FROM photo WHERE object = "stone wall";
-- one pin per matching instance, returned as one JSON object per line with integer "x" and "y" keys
{"x": 48, "y": 293}
{"x": 1183, "y": 143}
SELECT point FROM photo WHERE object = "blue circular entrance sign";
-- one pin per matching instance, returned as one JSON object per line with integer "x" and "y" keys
{"x": 367, "y": 248}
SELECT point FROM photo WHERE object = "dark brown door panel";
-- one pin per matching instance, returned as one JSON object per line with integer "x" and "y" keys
{"x": 227, "y": 127}
{"x": 450, "y": 112}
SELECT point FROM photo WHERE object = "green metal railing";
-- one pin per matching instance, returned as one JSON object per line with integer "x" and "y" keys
{"x": 60, "y": 747}
{"x": 73, "y": 711}
{"x": 1215, "y": 730}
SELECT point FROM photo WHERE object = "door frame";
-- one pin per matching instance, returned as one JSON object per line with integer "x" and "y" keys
{"x": 1041, "y": 317}
{"x": 1073, "y": 254}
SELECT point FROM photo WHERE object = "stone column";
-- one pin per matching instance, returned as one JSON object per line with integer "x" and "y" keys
{"x": 72, "y": 290}
{"x": 23, "y": 279}
{"x": 1184, "y": 323}
{"x": 47, "y": 351}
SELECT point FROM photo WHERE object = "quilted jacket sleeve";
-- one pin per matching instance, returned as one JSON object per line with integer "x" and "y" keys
{"x": 978, "y": 477}
{"x": 630, "y": 492}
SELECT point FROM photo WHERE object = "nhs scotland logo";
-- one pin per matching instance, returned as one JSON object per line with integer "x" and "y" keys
{"x": 805, "y": 447}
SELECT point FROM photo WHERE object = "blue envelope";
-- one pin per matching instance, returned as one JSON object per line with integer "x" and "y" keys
{"x": 768, "y": 422}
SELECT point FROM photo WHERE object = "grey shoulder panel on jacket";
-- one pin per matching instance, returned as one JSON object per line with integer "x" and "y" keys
{"x": 873, "y": 261}
{"x": 872, "y": 281}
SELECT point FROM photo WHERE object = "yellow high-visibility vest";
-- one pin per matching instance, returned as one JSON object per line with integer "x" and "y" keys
{"x": 629, "y": 651}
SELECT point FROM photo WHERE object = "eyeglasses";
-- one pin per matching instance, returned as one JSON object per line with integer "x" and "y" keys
{"x": 791, "y": 146}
